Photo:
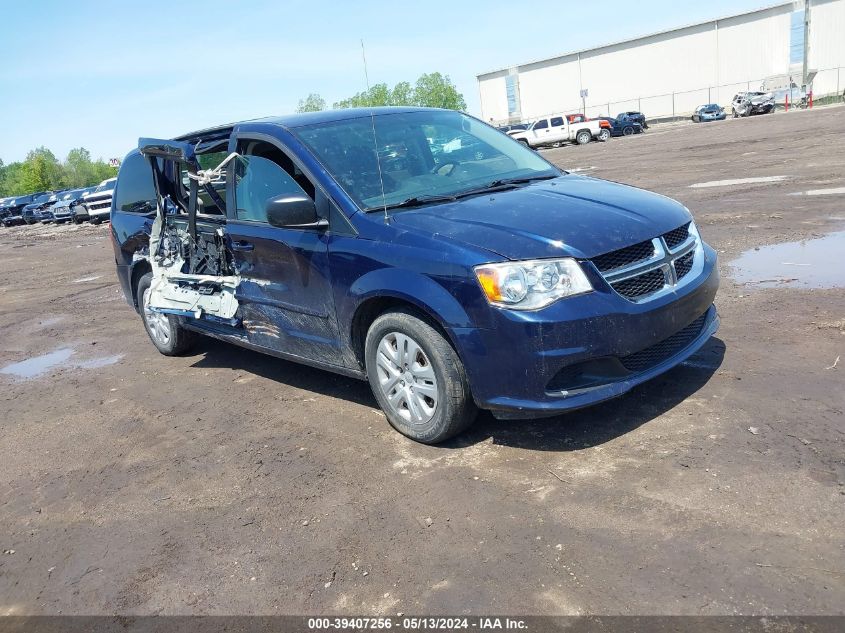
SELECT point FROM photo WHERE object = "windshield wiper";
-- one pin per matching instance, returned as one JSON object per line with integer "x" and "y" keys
{"x": 522, "y": 180}
{"x": 415, "y": 201}
{"x": 502, "y": 184}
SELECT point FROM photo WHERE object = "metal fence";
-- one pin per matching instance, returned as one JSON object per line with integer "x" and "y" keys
{"x": 827, "y": 83}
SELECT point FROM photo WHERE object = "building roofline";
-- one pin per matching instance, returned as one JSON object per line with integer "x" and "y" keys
{"x": 479, "y": 76}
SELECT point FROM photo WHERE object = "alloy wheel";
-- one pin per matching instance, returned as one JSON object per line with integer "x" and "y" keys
{"x": 157, "y": 323}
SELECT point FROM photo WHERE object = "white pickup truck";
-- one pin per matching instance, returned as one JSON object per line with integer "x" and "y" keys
{"x": 560, "y": 128}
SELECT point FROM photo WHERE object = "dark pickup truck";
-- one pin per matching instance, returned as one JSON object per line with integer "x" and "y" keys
{"x": 365, "y": 242}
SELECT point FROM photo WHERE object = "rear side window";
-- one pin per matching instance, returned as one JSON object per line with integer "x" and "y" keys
{"x": 557, "y": 121}
{"x": 136, "y": 189}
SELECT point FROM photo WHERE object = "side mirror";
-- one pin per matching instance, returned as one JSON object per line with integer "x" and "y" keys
{"x": 293, "y": 212}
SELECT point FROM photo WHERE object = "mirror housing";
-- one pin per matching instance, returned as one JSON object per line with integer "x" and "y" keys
{"x": 292, "y": 211}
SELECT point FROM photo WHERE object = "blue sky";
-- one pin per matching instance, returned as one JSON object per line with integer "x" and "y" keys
{"x": 101, "y": 74}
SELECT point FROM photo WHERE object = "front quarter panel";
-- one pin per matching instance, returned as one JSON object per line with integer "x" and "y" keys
{"x": 441, "y": 284}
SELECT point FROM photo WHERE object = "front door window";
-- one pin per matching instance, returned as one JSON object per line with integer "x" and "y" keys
{"x": 257, "y": 180}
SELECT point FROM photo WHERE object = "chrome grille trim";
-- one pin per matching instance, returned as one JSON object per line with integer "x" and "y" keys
{"x": 664, "y": 259}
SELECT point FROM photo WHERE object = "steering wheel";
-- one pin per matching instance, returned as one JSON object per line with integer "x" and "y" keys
{"x": 436, "y": 169}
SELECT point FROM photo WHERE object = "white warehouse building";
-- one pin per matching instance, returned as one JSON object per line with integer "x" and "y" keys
{"x": 671, "y": 73}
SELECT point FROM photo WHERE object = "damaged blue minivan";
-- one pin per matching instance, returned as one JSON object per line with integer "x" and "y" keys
{"x": 419, "y": 249}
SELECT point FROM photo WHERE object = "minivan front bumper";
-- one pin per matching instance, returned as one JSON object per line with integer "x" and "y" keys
{"x": 586, "y": 349}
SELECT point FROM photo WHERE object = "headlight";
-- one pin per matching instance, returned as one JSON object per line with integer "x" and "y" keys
{"x": 533, "y": 284}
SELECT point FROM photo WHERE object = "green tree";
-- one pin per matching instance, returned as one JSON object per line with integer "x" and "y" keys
{"x": 102, "y": 171}
{"x": 79, "y": 170}
{"x": 11, "y": 180}
{"x": 377, "y": 95}
{"x": 434, "y": 90}
{"x": 312, "y": 103}
{"x": 402, "y": 94}
{"x": 431, "y": 90}
{"x": 47, "y": 162}
{"x": 36, "y": 173}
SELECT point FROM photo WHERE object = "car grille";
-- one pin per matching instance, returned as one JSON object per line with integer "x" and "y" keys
{"x": 641, "y": 285}
{"x": 665, "y": 349}
{"x": 637, "y": 272}
{"x": 684, "y": 264}
{"x": 677, "y": 237}
{"x": 96, "y": 206}
{"x": 624, "y": 256}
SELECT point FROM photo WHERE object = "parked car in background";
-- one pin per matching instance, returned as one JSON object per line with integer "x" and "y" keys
{"x": 499, "y": 283}
{"x": 98, "y": 203}
{"x": 32, "y": 212}
{"x": 622, "y": 128}
{"x": 515, "y": 127}
{"x": 47, "y": 208}
{"x": 62, "y": 210}
{"x": 14, "y": 210}
{"x": 751, "y": 103}
{"x": 78, "y": 209}
{"x": 633, "y": 117}
{"x": 5, "y": 204}
{"x": 558, "y": 129}
{"x": 5, "y": 208}
{"x": 709, "y": 112}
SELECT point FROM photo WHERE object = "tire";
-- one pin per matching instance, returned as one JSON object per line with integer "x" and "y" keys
{"x": 583, "y": 137}
{"x": 733, "y": 110}
{"x": 604, "y": 135}
{"x": 627, "y": 131}
{"x": 178, "y": 339}
{"x": 446, "y": 407}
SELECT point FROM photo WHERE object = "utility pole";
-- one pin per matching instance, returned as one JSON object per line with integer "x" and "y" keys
{"x": 804, "y": 68}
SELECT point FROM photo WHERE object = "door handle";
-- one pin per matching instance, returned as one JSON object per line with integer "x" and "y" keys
{"x": 243, "y": 246}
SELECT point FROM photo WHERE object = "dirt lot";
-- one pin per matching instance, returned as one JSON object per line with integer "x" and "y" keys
{"x": 231, "y": 482}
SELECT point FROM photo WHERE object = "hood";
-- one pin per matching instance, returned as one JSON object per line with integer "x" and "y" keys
{"x": 571, "y": 215}
{"x": 98, "y": 195}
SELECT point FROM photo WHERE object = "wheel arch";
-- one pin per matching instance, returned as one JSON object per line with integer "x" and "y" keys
{"x": 386, "y": 290}
{"x": 582, "y": 130}
{"x": 139, "y": 268}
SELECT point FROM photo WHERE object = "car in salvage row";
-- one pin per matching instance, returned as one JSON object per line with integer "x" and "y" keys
{"x": 95, "y": 206}
{"x": 62, "y": 206}
{"x": 560, "y": 128}
{"x": 622, "y": 128}
{"x": 708, "y": 112}
{"x": 452, "y": 281}
{"x": 750, "y": 103}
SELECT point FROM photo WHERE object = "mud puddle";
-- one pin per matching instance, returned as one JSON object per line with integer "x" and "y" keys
{"x": 815, "y": 263}
{"x": 38, "y": 365}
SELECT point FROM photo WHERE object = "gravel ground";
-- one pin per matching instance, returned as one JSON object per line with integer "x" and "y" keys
{"x": 227, "y": 482}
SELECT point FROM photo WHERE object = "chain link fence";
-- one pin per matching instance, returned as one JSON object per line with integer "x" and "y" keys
{"x": 828, "y": 86}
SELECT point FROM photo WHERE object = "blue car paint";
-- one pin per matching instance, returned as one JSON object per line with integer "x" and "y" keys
{"x": 425, "y": 257}
{"x": 709, "y": 113}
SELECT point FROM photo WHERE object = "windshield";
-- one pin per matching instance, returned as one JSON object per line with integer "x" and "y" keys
{"x": 418, "y": 154}
{"x": 105, "y": 186}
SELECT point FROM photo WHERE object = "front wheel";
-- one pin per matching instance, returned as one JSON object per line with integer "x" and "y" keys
{"x": 583, "y": 137}
{"x": 418, "y": 378}
{"x": 164, "y": 330}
